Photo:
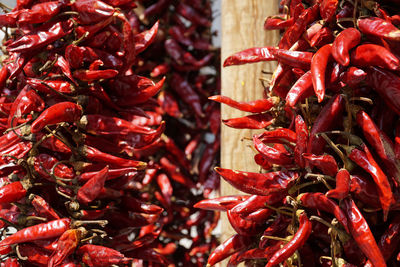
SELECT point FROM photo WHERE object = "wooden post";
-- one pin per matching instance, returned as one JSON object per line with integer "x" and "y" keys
{"x": 242, "y": 27}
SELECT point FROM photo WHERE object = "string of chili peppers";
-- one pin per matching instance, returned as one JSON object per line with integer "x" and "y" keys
{"x": 181, "y": 174}
{"x": 79, "y": 127}
{"x": 327, "y": 193}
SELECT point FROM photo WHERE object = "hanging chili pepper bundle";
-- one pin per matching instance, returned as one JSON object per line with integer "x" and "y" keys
{"x": 331, "y": 132}
{"x": 77, "y": 111}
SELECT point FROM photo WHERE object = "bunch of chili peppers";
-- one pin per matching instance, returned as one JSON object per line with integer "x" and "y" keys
{"x": 82, "y": 131}
{"x": 327, "y": 193}
{"x": 181, "y": 173}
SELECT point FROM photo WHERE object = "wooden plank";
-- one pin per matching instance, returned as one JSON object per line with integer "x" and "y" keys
{"x": 242, "y": 27}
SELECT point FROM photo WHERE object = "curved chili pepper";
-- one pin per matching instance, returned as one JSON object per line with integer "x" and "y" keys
{"x": 43, "y": 208}
{"x": 273, "y": 155}
{"x": 40, "y": 39}
{"x": 361, "y": 233}
{"x": 66, "y": 245}
{"x": 34, "y": 254}
{"x": 326, "y": 163}
{"x": 298, "y": 240}
{"x": 255, "y": 202}
{"x": 60, "y": 112}
{"x": 380, "y": 142}
{"x": 141, "y": 96}
{"x": 251, "y": 55}
{"x": 353, "y": 76}
{"x": 300, "y": 90}
{"x": 12, "y": 192}
{"x": 322, "y": 37}
{"x": 220, "y": 203}
{"x": 342, "y": 185}
{"x": 365, "y": 160}
{"x": 255, "y": 253}
{"x": 344, "y": 42}
{"x": 92, "y": 11}
{"x": 280, "y": 135}
{"x": 51, "y": 86}
{"x": 258, "y": 183}
{"x": 327, "y": 9}
{"x": 256, "y": 106}
{"x": 321, "y": 202}
{"x": 144, "y": 39}
{"x": 319, "y": 63}
{"x": 324, "y": 122}
{"x": 374, "y": 55}
{"x": 301, "y": 140}
{"x": 242, "y": 226}
{"x": 92, "y": 188}
{"x": 230, "y": 246}
{"x": 256, "y": 121}
{"x": 41, "y": 12}
{"x": 192, "y": 15}
{"x": 296, "y": 59}
{"x": 94, "y": 255}
{"x": 379, "y": 27}
{"x": 40, "y": 231}
{"x": 27, "y": 101}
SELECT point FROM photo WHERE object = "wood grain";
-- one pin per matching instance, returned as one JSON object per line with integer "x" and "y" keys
{"x": 242, "y": 27}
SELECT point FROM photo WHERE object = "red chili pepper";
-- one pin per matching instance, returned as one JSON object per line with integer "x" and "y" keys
{"x": 365, "y": 160}
{"x": 361, "y": 233}
{"x": 251, "y": 55}
{"x": 324, "y": 122}
{"x": 301, "y": 141}
{"x": 51, "y": 86}
{"x": 254, "y": 254}
{"x": 43, "y": 208}
{"x": 300, "y": 90}
{"x": 175, "y": 173}
{"x": 92, "y": 188}
{"x": 230, "y": 246}
{"x": 319, "y": 63}
{"x": 379, "y": 28}
{"x": 342, "y": 185}
{"x": 296, "y": 59}
{"x": 255, "y": 202}
{"x": 327, "y": 9}
{"x": 192, "y": 15}
{"x": 381, "y": 143}
{"x": 389, "y": 241}
{"x": 66, "y": 245}
{"x": 321, "y": 202}
{"x": 26, "y": 102}
{"x": 221, "y": 203}
{"x": 137, "y": 205}
{"x": 280, "y": 135}
{"x": 243, "y": 226}
{"x": 96, "y": 155}
{"x": 326, "y": 163}
{"x": 92, "y": 75}
{"x": 93, "y": 255}
{"x": 12, "y": 192}
{"x": 374, "y": 55}
{"x": 141, "y": 96}
{"x": 298, "y": 240}
{"x": 92, "y": 11}
{"x": 41, "y": 12}
{"x": 273, "y": 155}
{"x": 34, "y": 254}
{"x": 258, "y": 183}
{"x": 256, "y": 121}
{"x": 277, "y": 23}
{"x": 40, "y": 231}
{"x": 41, "y": 38}
{"x": 322, "y": 37}
{"x": 256, "y": 106}
{"x": 144, "y": 39}
{"x": 60, "y": 112}
{"x": 3, "y": 77}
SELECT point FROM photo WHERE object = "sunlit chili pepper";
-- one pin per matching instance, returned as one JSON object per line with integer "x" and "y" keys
{"x": 298, "y": 240}
{"x": 361, "y": 233}
{"x": 319, "y": 63}
{"x": 344, "y": 42}
{"x": 256, "y": 121}
{"x": 258, "y": 183}
{"x": 233, "y": 244}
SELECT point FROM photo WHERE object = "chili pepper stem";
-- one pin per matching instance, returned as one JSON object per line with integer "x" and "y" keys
{"x": 274, "y": 238}
{"x": 347, "y": 163}
{"x": 277, "y": 210}
{"x": 19, "y": 254}
{"x": 102, "y": 223}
